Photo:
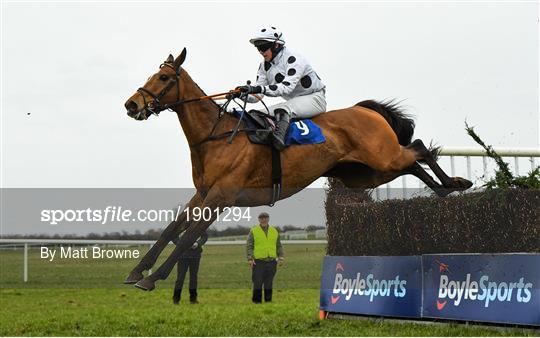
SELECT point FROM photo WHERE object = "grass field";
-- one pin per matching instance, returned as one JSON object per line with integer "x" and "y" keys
{"x": 86, "y": 297}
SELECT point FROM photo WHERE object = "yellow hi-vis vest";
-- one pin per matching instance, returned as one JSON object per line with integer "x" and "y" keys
{"x": 264, "y": 245}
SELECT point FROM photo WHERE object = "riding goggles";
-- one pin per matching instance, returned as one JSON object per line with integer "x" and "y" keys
{"x": 264, "y": 46}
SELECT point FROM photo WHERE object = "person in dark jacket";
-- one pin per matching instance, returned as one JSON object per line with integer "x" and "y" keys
{"x": 189, "y": 260}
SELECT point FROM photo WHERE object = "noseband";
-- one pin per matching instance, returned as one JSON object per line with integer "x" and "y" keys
{"x": 155, "y": 107}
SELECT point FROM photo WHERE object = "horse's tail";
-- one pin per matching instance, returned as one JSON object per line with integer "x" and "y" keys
{"x": 401, "y": 123}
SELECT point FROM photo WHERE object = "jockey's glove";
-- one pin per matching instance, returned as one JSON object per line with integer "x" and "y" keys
{"x": 250, "y": 89}
{"x": 234, "y": 95}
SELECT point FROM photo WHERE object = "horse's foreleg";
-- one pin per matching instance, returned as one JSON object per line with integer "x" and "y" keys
{"x": 194, "y": 231}
{"x": 452, "y": 183}
{"x": 170, "y": 232}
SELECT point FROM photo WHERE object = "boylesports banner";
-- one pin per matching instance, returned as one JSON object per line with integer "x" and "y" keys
{"x": 498, "y": 288}
{"x": 389, "y": 286}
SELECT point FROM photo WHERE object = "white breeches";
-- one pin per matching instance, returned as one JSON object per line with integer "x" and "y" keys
{"x": 302, "y": 107}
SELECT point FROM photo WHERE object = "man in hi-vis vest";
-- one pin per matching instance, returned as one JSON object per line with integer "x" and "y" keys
{"x": 264, "y": 250}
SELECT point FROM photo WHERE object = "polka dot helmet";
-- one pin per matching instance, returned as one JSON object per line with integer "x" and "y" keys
{"x": 268, "y": 33}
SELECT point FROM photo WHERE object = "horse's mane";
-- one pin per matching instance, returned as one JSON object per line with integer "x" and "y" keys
{"x": 204, "y": 93}
{"x": 214, "y": 102}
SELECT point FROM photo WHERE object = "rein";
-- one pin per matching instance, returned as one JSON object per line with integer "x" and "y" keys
{"x": 181, "y": 102}
{"x": 231, "y": 133}
{"x": 155, "y": 107}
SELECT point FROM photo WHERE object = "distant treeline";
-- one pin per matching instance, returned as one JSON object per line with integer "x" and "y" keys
{"x": 153, "y": 234}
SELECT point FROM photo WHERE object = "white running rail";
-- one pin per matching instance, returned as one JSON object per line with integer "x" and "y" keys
{"x": 7, "y": 242}
{"x": 478, "y": 172}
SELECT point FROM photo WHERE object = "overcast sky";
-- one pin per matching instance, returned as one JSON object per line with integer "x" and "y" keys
{"x": 68, "y": 68}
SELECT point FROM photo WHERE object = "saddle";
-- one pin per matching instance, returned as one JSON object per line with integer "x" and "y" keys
{"x": 258, "y": 126}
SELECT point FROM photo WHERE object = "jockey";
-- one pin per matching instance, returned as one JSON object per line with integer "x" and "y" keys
{"x": 286, "y": 74}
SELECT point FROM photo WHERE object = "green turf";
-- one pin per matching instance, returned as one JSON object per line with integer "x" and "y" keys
{"x": 86, "y": 298}
{"x": 227, "y": 312}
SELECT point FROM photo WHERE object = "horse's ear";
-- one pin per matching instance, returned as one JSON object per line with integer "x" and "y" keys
{"x": 170, "y": 59}
{"x": 180, "y": 59}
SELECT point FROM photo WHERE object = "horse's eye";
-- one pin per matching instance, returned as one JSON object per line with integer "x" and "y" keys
{"x": 163, "y": 77}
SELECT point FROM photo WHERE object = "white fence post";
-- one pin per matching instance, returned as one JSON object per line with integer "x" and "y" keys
{"x": 25, "y": 266}
{"x": 469, "y": 175}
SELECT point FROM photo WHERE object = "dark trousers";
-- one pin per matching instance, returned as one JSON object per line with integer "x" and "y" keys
{"x": 262, "y": 275}
{"x": 185, "y": 264}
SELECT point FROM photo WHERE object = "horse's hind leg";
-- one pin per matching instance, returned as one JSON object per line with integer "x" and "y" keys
{"x": 170, "y": 232}
{"x": 453, "y": 183}
{"x": 362, "y": 177}
{"x": 417, "y": 170}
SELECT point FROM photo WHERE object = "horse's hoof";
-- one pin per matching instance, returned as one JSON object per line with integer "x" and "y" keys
{"x": 461, "y": 183}
{"x": 146, "y": 284}
{"x": 133, "y": 277}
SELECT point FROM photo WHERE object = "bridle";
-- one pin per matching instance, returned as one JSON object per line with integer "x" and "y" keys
{"x": 155, "y": 107}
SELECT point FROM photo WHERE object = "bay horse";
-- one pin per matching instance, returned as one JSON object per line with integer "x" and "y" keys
{"x": 367, "y": 145}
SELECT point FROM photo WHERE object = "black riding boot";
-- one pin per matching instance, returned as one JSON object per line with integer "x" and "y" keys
{"x": 176, "y": 296}
{"x": 193, "y": 296}
{"x": 281, "y": 130}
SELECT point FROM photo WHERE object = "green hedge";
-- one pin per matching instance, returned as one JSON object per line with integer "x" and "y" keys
{"x": 484, "y": 222}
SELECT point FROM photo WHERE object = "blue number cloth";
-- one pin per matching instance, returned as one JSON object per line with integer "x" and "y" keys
{"x": 304, "y": 132}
